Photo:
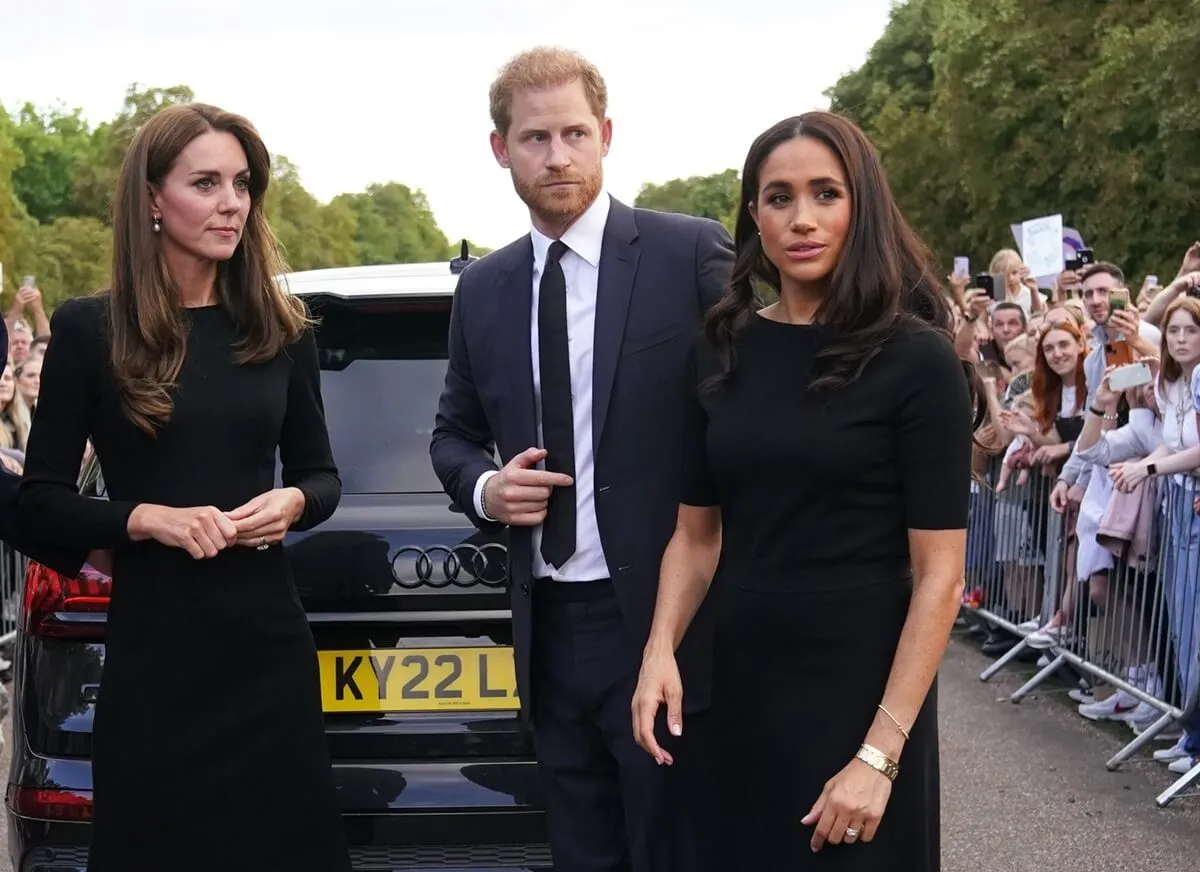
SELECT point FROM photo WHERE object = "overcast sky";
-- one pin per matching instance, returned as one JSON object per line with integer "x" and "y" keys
{"x": 362, "y": 91}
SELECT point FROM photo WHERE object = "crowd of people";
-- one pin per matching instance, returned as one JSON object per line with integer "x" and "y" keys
{"x": 28, "y": 329}
{"x": 1093, "y": 434}
{"x": 29, "y": 333}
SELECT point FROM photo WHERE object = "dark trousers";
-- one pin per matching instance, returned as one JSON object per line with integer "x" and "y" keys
{"x": 609, "y": 806}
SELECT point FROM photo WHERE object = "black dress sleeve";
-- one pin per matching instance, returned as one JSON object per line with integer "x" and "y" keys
{"x": 65, "y": 561}
{"x": 935, "y": 435}
{"x": 304, "y": 452}
{"x": 699, "y": 487}
{"x": 49, "y": 505}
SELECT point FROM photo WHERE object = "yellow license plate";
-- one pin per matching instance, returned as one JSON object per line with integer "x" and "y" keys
{"x": 419, "y": 680}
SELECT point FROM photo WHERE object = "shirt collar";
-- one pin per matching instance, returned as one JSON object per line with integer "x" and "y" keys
{"x": 585, "y": 237}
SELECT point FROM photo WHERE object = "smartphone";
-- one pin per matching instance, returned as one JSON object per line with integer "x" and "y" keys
{"x": 1086, "y": 257}
{"x": 1151, "y": 281}
{"x": 962, "y": 267}
{"x": 1073, "y": 264}
{"x": 1119, "y": 299}
{"x": 28, "y": 283}
{"x": 985, "y": 282}
{"x": 1132, "y": 375}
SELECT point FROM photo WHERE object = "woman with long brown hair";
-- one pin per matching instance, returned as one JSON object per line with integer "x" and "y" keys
{"x": 188, "y": 374}
{"x": 1059, "y": 389}
{"x": 828, "y": 470}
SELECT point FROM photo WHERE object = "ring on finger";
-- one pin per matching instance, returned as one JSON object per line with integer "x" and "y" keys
{"x": 262, "y": 544}
{"x": 851, "y": 835}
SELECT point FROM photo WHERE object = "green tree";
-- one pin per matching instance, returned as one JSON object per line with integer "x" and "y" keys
{"x": 714, "y": 196}
{"x": 394, "y": 225}
{"x": 990, "y": 112}
{"x": 311, "y": 235}
{"x": 16, "y": 226}
{"x": 892, "y": 97}
{"x": 53, "y": 145}
{"x": 73, "y": 257}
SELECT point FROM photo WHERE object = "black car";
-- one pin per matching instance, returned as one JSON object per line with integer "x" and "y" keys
{"x": 408, "y": 603}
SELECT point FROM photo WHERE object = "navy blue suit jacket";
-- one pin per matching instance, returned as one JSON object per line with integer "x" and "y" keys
{"x": 59, "y": 559}
{"x": 658, "y": 274}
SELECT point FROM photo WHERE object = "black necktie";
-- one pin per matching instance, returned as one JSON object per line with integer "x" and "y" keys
{"x": 558, "y": 417}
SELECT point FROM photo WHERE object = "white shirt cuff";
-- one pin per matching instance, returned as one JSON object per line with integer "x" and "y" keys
{"x": 479, "y": 496}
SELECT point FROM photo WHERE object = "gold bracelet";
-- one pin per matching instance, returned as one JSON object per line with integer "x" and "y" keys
{"x": 903, "y": 732}
{"x": 878, "y": 761}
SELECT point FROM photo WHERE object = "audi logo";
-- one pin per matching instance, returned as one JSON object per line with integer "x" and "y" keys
{"x": 441, "y": 566}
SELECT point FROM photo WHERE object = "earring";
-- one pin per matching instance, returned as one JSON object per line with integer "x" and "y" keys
{"x": 157, "y": 225}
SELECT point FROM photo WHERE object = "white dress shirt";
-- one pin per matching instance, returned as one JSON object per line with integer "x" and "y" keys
{"x": 581, "y": 269}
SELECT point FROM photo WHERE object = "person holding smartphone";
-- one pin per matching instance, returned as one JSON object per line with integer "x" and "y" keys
{"x": 27, "y": 306}
{"x": 1119, "y": 334}
{"x": 1185, "y": 283}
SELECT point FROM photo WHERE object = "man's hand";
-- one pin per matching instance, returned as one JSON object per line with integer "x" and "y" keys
{"x": 1191, "y": 260}
{"x": 518, "y": 494}
{"x": 1058, "y": 497}
{"x": 1125, "y": 322}
{"x": 1065, "y": 284}
{"x": 28, "y": 298}
{"x": 976, "y": 302}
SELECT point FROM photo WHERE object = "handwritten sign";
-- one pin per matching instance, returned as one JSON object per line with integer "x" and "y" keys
{"x": 1042, "y": 245}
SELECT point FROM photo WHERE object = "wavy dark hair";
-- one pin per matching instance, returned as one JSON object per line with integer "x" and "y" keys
{"x": 148, "y": 334}
{"x": 882, "y": 281}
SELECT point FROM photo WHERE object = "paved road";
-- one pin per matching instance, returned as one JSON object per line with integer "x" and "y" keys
{"x": 1025, "y": 788}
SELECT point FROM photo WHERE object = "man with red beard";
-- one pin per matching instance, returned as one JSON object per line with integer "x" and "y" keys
{"x": 569, "y": 351}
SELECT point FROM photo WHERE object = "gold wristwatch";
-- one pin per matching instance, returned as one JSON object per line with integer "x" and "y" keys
{"x": 878, "y": 761}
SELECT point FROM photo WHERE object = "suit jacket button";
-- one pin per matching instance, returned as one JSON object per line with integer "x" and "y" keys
{"x": 524, "y": 589}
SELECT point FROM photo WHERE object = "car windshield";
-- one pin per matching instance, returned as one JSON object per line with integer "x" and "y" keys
{"x": 383, "y": 364}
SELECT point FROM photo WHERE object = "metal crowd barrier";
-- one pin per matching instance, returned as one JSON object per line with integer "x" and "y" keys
{"x": 12, "y": 588}
{"x": 1131, "y": 624}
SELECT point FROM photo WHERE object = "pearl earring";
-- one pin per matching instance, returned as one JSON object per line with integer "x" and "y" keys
{"x": 157, "y": 226}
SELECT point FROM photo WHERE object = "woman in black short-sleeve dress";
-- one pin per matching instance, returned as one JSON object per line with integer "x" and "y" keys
{"x": 209, "y": 741}
{"x": 828, "y": 481}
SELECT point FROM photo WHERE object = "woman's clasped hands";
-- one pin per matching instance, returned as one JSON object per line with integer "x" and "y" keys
{"x": 205, "y": 531}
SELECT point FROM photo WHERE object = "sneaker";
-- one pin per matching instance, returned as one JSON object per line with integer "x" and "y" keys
{"x": 1170, "y": 755}
{"x": 1171, "y": 733}
{"x": 1049, "y": 636}
{"x": 1043, "y": 661}
{"x": 1184, "y": 765}
{"x": 1117, "y": 707}
{"x": 1081, "y": 695}
{"x": 1143, "y": 718}
{"x": 1029, "y": 626}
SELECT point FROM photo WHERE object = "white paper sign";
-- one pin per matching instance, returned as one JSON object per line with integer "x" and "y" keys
{"x": 1042, "y": 245}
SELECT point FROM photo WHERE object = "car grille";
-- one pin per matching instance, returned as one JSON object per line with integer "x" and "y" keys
{"x": 378, "y": 859}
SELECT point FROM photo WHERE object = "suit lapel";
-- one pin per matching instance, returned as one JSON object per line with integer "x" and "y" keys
{"x": 618, "y": 267}
{"x": 514, "y": 288}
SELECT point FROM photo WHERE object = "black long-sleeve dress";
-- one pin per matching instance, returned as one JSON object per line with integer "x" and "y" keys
{"x": 817, "y": 494}
{"x": 209, "y": 742}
